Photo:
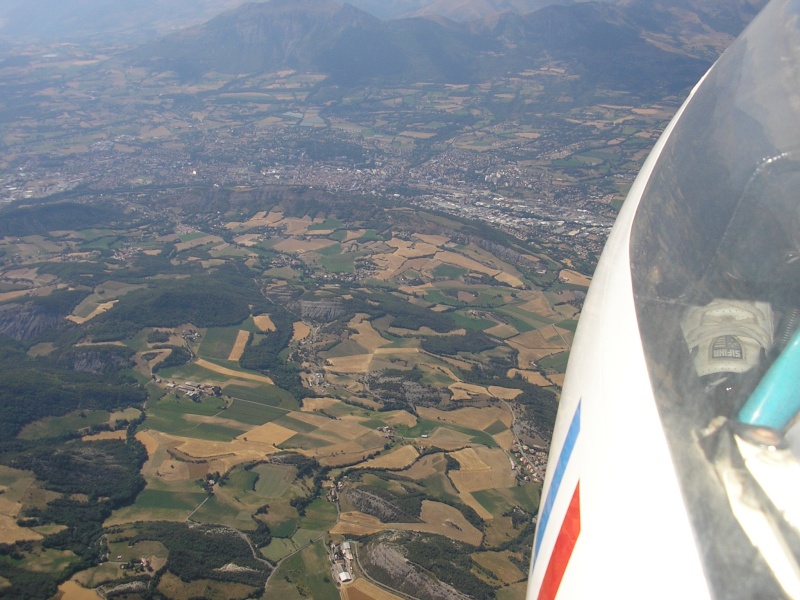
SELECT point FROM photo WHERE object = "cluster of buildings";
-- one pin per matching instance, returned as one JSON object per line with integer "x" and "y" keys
{"x": 341, "y": 557}
{"x": 532, "y": 462}
{"x": 194, "y": 390}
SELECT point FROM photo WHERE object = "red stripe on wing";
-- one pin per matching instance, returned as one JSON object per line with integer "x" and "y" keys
{"x": 562, "y": 551}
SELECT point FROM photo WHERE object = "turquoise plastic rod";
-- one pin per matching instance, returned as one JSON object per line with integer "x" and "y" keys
{"x": 776, "y": 399}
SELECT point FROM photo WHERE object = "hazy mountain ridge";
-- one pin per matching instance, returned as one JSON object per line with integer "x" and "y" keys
{"x": 75, "y": 20}
{"x": 82, "y": 20}
{"x": 599, "y": 41}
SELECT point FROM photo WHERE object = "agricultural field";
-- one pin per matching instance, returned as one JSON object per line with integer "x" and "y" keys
{"x": 295, "y": 379}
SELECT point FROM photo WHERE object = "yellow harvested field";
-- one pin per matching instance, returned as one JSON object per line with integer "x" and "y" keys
{"x": 420, "y": 264}
{"x": 438, "y": 518}
{"x": 465, "y": 297}
{"x": 536, "y": 303}
{"x": 72, "y": 590}
{"x": 315, "y": 420}
{"x": 535, "y": 345}
{"x": 502, "y": 331}
{"x": 505, "y": 439}
{"x": 436, "y": 240}
{"x": 400, "y": 458}
{"x": 8, "y": 506}
{"x": 425, "y": 467}
{"x": 460, "y": 260}
{"x": 418, "y": 249}
{"x": 459, "y": 394}
{"x": 533, "y": 377}
{"x": 339, "y": 456}
{"x": 357, "y": 523}
{"x": 218, "y": 420}
{"x": 510, "y": 279}
{"x": 367, "y": 337}
{"x": 201, "y": 362}
{"x": 465, "y": 391}
{"x": 389, "y": 264}
{"x": 248, "y": 239}
{"x": 29, "y": 273}
{"x": 353, "y": 234}
{"x": 482, "y": 469}
{"x": 504, "y": 393}
{"x": 260, "y": 219}
{"x": 12, "y": 295}
{"x": 268, "y": 433}
{"x": 295, "y": 246}
{"x": 446, "y": 520}
{"x": 471, "y": 417}
{"x": 361, "y": 589}
{"x": 469, "y": 460}
{"x": 575, "y": 278}
{"x": 416, "y": 290}
{"x": 527, "y": 356}
{"x": 557, "y": 379}
{"x": 217, "y": 456}
{"x": 202, "y": 241}
{"x": 350, "y": 430}
{"x": 105, "y": 435}
{"x": 101, "y": 308}
{"x": 314, "y": 404}
{"x": 295, "y": 226}
{"x": 358, "y": 363}
{"x": 403, "y": 350}
{"x": 300, "y": 331}
{"x": 11, "y": 533}
{"x": 398, "y": 417}
{"x": 239, "y": 345}
{"x": 264, "y": 323}
{"x": 447, "y": 439}
{"x": 149, "y": 442}
{"x": 173, "y": 470}
{"x": 320, "y": 232}
{"x": 423, "y": 135}
{"x": 499, "y": 564}
{"x": 470, "y": 501}
{"x": 399, "y": 244}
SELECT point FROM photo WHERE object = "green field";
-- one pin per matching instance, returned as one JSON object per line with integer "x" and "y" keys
{"x": 215, "y": 510}
{"x": 329, "y": 223}
{"x": 170, "y": 500}
{"x": 285, "y": 529}
{"x": 449, "y": 271}
{"x": 295, "y": 424}
{"x": 339, "y": 263}
{"x": 278, "y": 548}
{"x": 495, "y": 428}
{"x": 273, "y": 480}
{"x": 557, "y": 362}
{"x": 252, "y": 413}
{"x": 193, "y": 236}
{"x": 262, "y": 393}
{"x": 568, "y": 324}
{"x": 170, "y": 416}
{"x": 472, "y": 323}
{"x": 218, "y": 342}
{"x": 304, "y": 575}
{"x": 55, "y": 426}
{"x": 345, "y": 348}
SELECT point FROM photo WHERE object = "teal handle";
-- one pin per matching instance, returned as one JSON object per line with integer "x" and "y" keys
{"x": 776, "y": 399}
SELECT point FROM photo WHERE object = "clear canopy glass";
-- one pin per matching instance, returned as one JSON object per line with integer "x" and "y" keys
{"x": 715, "y": 263}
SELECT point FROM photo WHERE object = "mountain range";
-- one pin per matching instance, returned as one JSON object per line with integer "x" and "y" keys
{"x": 634, "y": 46}
{"x": 145, "y": 20}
